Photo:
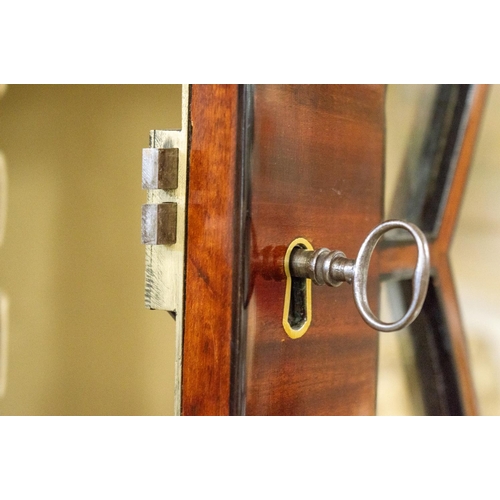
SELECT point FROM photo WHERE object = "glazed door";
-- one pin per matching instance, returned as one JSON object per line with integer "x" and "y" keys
{"x": 272, "y": 163}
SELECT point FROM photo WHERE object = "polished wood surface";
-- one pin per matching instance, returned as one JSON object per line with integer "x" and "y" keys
{"x": 211, "y": 260}
{"x": 316, "y": 171}
{"x": 268, "y": 164}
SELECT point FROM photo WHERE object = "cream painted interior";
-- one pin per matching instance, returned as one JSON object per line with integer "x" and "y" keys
{"x": 72, "y": 265}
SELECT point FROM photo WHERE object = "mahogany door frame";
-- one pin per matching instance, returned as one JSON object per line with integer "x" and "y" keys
{"x": 216, "y": 273}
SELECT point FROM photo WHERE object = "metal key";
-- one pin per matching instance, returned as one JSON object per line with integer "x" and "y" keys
{"x": 332, "y": 268}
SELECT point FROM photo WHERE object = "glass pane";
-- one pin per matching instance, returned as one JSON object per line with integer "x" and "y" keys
{"x": 423, "y": 133}
{"x": 474, "y": 257}
{"x": 409, "y": 110}
{"x": 408, "y": 113}
{"x": 424, "y": 130}
{"x": 398, "y": 384}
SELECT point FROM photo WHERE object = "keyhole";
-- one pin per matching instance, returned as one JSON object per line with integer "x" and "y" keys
{"x": 297, "y": 310}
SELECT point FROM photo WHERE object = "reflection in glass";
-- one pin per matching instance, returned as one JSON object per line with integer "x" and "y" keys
{"x": 398, "y": 386}
{"x": 408, "y": 111}
{"x": 424, "y": 128}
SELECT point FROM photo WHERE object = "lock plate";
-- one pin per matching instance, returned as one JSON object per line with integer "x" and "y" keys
{"x": 164, "y": 225}
{"x": 165, "y": 258}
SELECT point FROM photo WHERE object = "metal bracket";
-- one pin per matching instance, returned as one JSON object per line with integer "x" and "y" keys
{"x": 164, "y": 226}
{"x": 164, "y": 216}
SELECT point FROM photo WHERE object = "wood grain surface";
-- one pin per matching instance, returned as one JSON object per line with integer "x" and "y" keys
{"x": 316, "y": 171}
{"x": 268, "y": 164}
{"x": 211, "y": 259}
